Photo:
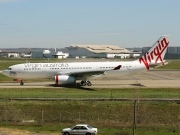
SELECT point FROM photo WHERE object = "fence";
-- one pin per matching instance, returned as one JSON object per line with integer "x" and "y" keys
{"x": 127, "y": 114}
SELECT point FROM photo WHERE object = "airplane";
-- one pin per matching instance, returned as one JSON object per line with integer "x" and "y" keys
{"x": 27, "y": 55}
{"x": 69, "y": 73}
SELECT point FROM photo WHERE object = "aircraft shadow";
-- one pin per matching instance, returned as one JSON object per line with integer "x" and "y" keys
{"x": 138, "y": 84}
{"x": 72, "y": 86}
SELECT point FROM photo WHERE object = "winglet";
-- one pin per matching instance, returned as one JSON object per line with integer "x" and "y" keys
{"x": 117, "y": 68}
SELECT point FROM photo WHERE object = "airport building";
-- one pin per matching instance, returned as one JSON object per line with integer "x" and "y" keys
{"x": 99, "y": 51}
{"x": 49, "y": 54}
{"x": 85, "y": 51}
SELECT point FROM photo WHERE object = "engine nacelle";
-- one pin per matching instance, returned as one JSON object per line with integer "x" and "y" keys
{"x": 64, "y": 79}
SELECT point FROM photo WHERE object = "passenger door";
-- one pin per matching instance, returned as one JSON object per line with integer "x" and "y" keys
{"x": 82, "y": 130}
{"x": 75, "y": 130}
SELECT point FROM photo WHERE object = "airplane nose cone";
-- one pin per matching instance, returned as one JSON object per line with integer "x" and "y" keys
{"x": 11, "y": 73}
{"x": 5, "y": 72}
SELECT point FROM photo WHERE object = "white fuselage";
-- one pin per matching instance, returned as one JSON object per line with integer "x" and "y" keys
{"x": 49, "y": 70}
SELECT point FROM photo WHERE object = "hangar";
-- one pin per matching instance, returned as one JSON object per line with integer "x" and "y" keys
{"x": 99, "y": 51}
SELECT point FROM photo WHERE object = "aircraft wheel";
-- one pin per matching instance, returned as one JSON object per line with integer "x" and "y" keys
{"x": 66, "y": 133}
{"x": 83, "y": 83}
{"x": 21, "y": 82}
{"x": 89, "y": 83}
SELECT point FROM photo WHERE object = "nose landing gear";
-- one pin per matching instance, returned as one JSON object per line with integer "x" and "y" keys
{"x": 21, "y": 82}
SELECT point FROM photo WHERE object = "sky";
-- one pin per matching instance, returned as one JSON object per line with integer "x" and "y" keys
{"x": 61, "y": 23}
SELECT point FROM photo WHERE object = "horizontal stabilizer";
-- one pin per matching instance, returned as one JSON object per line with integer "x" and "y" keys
{"x": 117, "y": 68}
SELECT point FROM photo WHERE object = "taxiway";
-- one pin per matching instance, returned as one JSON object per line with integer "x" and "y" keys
{"x": 147, "y": 79}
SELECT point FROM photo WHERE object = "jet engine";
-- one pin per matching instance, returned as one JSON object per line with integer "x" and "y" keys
{"x": 64, "y": 79}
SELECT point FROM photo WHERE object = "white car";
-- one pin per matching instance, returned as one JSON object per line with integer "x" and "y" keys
{"x": 80, "y": 129}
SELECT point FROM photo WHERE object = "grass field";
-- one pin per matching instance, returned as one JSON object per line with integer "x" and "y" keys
{"x": 172, "y": 64}
{"x": 111, "y": 118}
{"x": 89, "y": 93}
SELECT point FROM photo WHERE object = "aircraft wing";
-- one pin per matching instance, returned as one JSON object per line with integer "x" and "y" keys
{"x": 87, "y": 73}
{"x": 83, "y": 74}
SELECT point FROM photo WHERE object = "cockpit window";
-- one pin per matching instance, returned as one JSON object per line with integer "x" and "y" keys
{"x": 9, "y": 69}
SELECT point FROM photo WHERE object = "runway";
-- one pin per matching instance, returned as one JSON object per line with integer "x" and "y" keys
{"x": 148, "y": 79}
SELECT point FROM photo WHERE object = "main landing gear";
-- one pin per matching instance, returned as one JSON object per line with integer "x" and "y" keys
{"x": 84, "y": 83}
{"x": 21, "y": 82}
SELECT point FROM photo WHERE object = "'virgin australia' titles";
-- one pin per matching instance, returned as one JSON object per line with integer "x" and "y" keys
{"x": 39, "y": 65}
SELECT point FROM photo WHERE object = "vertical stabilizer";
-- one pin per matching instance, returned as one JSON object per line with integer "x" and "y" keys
{"x": 156, "y": 53}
